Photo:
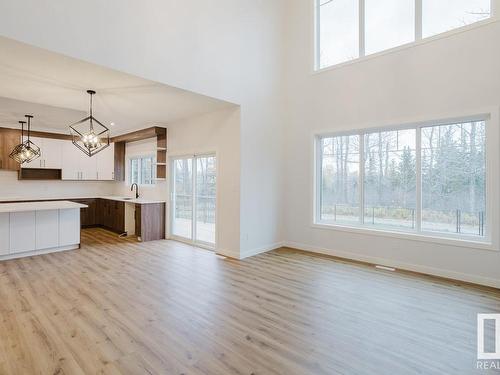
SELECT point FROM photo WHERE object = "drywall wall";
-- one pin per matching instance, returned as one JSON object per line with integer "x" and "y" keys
{"x": 218, "y": 133}
{"x": 12, "y": 188}
{"x": 229, "y": 49}
{"x": 451, "y": 75}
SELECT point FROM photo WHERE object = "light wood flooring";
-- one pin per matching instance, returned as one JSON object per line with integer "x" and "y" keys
{"x": 121, "y": 307}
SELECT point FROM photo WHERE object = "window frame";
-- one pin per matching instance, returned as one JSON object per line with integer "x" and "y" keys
{"x": 419, "y": 39}
{"x": 139, "y": 166}
{"x": 489, "y": 242}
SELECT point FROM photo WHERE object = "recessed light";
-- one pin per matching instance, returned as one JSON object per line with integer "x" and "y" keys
{"x": 112, "y": 123}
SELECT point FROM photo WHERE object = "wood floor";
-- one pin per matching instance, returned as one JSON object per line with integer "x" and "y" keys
{"x": 121, "y": 307}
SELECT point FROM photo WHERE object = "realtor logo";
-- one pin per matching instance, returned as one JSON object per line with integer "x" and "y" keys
{"x": 481, "y": 319}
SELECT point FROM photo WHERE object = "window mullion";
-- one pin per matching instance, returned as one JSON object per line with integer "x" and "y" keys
{"x": 418, "y": 165}
{"x": 362, "y": 49}
{"x": 362, "y": 178}
{"x": 418, "y": 20}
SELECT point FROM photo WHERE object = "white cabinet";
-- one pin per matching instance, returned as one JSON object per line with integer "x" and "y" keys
{"x": 106, "y": 163}
{"x": 22, "y": 232}
{"x": 71, "y": 162}
{"x": 69, "y": 227}
{"x": 4, "y": 233}
{"x": 47, "y": 229}
{"x": 78, "y": 166}
{"x": 51, "y": 154}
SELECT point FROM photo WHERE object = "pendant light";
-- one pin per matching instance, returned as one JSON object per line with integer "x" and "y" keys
{"x": 18, "y": 152}
{"x": 90, "y": 135}
{"x": 26, "y": 151}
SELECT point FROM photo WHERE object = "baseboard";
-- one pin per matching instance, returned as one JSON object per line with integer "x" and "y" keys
{"x": 474, "y": 279}
{"x": 251, "y": 252}
{"x": 260, "y": 250}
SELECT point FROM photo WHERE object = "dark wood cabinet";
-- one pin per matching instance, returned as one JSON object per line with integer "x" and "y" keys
{"x": 111, "y": 215}
{"x": 88, "y": 216}
{"x": 9, "y": 138}
{"x": 150, "y": 221}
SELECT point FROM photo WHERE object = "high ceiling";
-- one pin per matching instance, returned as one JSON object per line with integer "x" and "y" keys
{"x": 53, "y": 87}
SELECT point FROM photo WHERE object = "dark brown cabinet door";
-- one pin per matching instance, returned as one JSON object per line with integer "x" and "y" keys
{"x": 88, "y": 215}
{"x": 8, "y": 140}
{"x": 119, "y": 217}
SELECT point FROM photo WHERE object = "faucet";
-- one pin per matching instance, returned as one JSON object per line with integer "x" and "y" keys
{"x": 136, "y": 190}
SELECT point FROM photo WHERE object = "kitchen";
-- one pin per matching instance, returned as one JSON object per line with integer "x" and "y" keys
{"x": 90, "y": 149}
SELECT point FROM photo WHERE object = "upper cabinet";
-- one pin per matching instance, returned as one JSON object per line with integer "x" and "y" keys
{"x": 9, "y": 139}
{"x": 106, "y": 163}
{"x": 51, "y": 153}
{"x": 78, "y": 166}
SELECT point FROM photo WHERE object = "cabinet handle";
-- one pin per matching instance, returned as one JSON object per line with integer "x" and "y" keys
{"x": 1, "y": 163}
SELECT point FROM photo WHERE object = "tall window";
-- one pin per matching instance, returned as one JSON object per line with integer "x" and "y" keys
{"x": 142, "y": 170}
{"x": 425, "y": 179}
{"x": 349, "y": 29}
{"x": 340, "y": 179}
{"x": 390, "y": 179}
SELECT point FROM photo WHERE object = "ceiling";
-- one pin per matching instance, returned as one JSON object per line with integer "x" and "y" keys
{"x": 53, "y": 87}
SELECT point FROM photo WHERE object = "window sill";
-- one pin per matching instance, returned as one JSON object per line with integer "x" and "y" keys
{"x": 415, "y": 43}
{"x": 422, "y": 237}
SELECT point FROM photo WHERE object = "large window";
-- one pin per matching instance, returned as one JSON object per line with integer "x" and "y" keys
{"x": 349, "y": 29}
{"x": 421, "y": 179}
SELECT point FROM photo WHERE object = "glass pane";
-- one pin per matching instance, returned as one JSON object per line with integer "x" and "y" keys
{"x": 134, "y": 171}
{"x": 339, "y": 179}
{"x": 205, "y": 199}
{"x": 442, "y": 15}
{"x": 389, "y": 23}
{"x": 183, "y": 198}
{"x": 454, "y": 178}
{"x": 338, "y": 31}
{"x": 390, "y": 179}
{"x": 147, "y": 171}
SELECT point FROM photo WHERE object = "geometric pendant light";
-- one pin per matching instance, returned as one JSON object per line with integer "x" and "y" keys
{"x": 26, "y": 151}
{"x": 89, "y": 134}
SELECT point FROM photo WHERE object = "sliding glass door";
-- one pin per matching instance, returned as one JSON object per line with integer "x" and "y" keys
{"x": 194, "y": 199}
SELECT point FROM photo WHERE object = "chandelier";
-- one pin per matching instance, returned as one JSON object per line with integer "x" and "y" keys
{"x": 26, "y": 151}
{"x": 90, "y": 135}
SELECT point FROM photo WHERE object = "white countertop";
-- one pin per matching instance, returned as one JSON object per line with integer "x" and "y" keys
{"x": 39, "y": 206}
{"x": 113, "y": 198}
{"x": 133, "y": 200}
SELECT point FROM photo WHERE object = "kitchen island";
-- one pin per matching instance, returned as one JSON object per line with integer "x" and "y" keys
{"x": 32, "y": 228}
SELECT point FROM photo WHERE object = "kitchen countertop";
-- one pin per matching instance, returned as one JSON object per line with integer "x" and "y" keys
{"x": 55, "y": 199}
{"x": 132, "y": 200}
{"x": 39, "y": 206}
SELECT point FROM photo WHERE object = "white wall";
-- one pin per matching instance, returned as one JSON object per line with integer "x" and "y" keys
{"x": 450, "y": 75}
{"x": 12, "y": 188}
{"x": 228, "y": 49}
{"x": 218, "y": 133}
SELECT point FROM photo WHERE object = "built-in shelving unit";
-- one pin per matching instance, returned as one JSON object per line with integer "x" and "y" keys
{"x": 161, "y": 154}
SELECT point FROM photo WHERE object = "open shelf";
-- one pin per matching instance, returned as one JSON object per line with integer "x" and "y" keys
{"x": 161, "y": 155}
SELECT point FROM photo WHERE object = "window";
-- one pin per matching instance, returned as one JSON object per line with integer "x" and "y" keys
{"x": 339, "y": 31}
{"x": 454, "y": 178}
{"x": 389, "y": 23}
{"x": 349, "y": 29}
{"x": 390, "y": 179}
{"x": 340, "y": 178}
{"x": 439, "y": 16}
{"x": 422, "y": 179}
{"x": 142, "y": 170}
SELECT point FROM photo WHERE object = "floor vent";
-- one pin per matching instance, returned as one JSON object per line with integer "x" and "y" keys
{"x": 385, "y": 268}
